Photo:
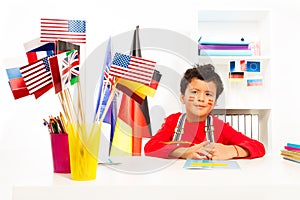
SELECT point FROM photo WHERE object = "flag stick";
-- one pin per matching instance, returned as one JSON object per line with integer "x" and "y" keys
{"x": 110, "y": 98}
{"x": 102, "y": 92}
{"x": 70, "y": 105}
{"x": 80, "y": 106}
{"x": 63, "y": 105}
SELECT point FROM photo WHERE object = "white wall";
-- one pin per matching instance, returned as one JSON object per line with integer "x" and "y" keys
{"x": 22, "y": 133}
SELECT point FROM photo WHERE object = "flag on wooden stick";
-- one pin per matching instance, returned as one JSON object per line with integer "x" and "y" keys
{"x": 133, "y": 122}
{"x": 73, "y": 31}
{"x": 64, "y": 69}
{"x": 37, "y": 77}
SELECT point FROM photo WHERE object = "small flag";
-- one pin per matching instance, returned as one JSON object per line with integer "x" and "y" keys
{"x": 139, "y": 91}
{"x": 17, "y": 83}
{"x": 132, "y": 68}
{"x": 243, "y": 65}
{"x": 109, "y": 120}
{"x": 64, "y": 70}
{"x": 106, "y": 83}
{"x": 257, "y": 81}
{"x": 133, "y": 121}
{"x": 191, "y": 99}
{"x": 36, "y": 50}
{"x": 63, "y": 46}
{"x": 37, "y": 77}
{"x": 238, "y": 66}
{"x": 68, "y": 30}
{"x": 236, "y": 76}
{"x": 210, "y": 102}
{"x": 253, "y": 66}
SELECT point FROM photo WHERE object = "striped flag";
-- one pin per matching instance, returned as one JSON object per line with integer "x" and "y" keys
{"x": 37, "y": 77}
{"x": 132, "y": 68}
{"x": 138, "y": 91}
{"x": 68, "y": 30}
{"x": 133, "y": 121}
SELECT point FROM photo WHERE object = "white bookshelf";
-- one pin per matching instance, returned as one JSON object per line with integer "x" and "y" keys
{"x": 237, "y": 98}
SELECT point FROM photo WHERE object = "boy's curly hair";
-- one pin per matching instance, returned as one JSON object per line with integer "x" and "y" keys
{"x": 203, "y": 72}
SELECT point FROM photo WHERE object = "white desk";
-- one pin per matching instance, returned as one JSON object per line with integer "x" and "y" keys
{"x": 263, "y": 178}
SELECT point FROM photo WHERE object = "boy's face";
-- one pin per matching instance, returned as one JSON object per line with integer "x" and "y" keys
{"x": 199, "y": 99}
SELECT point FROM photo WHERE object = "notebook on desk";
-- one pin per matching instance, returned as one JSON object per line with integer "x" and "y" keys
{"x": 211, "y": 164}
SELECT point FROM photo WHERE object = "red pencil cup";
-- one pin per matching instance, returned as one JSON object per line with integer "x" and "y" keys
{"x": 60, "y": 153}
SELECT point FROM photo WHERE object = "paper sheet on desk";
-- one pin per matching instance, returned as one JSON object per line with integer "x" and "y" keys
{"x": 211, "y": 164}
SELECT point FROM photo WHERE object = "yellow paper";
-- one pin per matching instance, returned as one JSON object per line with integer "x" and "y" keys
{"x": 122, "y": 142}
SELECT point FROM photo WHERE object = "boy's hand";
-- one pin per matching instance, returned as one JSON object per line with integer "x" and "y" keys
{"x": 199, "y": 151}
{"x": 223, "y": 152}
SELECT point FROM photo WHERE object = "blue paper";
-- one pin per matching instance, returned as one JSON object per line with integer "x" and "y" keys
{"x": 211, "y": 164}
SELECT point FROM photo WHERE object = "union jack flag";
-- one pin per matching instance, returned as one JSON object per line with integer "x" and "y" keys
{"x": 70, "y": 69}
{"x": 64, "y": 69}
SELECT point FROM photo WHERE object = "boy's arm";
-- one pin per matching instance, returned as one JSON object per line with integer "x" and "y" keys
{"x": 198, "y": 151}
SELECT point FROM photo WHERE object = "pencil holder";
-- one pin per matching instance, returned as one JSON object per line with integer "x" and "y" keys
{"x": 84, "y": 146}
{"x": 60, "y": 153}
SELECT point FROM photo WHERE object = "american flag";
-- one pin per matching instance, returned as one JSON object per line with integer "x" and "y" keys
{"x": 37, "y": 75}
{"x": 132, "y": 68}
{"x": 67, "y": 30}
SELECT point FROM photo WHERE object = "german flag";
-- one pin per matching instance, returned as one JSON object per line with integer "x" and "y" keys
{"x": 139, "y": 91}
{"x": 133, "y": 122}
{"x": 236, "y": 76}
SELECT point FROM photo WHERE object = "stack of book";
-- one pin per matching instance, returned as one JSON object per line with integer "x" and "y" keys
{"x": 291, "y": 152}
{"x": 224, "y": 48}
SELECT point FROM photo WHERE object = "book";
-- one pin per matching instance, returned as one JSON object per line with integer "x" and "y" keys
{"x": 293, "y": 145}
{"x": 209, "y": 52}
{"x": 211, "y": 164}
{"x": 292, "y": 148}
{"x": 291, "y": 154}
{"x": 291, "y": 159}
{"x": 224, "y": 47}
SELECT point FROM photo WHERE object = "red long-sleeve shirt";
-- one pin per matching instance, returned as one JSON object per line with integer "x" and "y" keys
{"x": 194, "y": 132}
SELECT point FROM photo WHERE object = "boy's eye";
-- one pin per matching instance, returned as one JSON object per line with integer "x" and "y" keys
{"x": 194, "y": 92}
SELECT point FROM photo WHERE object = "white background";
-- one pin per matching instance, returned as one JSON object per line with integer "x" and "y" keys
{"x": 22, "y": 135}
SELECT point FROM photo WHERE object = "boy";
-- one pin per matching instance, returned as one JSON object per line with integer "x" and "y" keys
{"x": 200, "y": 88}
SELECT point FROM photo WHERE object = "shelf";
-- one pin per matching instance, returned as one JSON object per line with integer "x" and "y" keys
{"x": 232, "y": 15}
{"x": 226, "y": 59}
{"x": 237, "y": 57}
{"x": 238, "y": 98}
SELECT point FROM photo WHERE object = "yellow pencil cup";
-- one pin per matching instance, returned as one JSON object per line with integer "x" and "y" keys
{"x": 84, "y": 147}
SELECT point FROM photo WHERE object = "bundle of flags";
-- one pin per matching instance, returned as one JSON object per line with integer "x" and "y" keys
{"x": 291, "y": 152}
{"x": 137, "y": 78}
{"x": 224, "y": 48}
{"x": 53, "y": 59}
{"x": 45, "y": 69}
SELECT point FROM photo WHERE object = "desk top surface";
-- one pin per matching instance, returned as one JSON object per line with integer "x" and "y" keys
{"x": 149, "y": 171}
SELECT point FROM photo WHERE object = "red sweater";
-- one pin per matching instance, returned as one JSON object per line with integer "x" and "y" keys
{"x": 194, "y": 132}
